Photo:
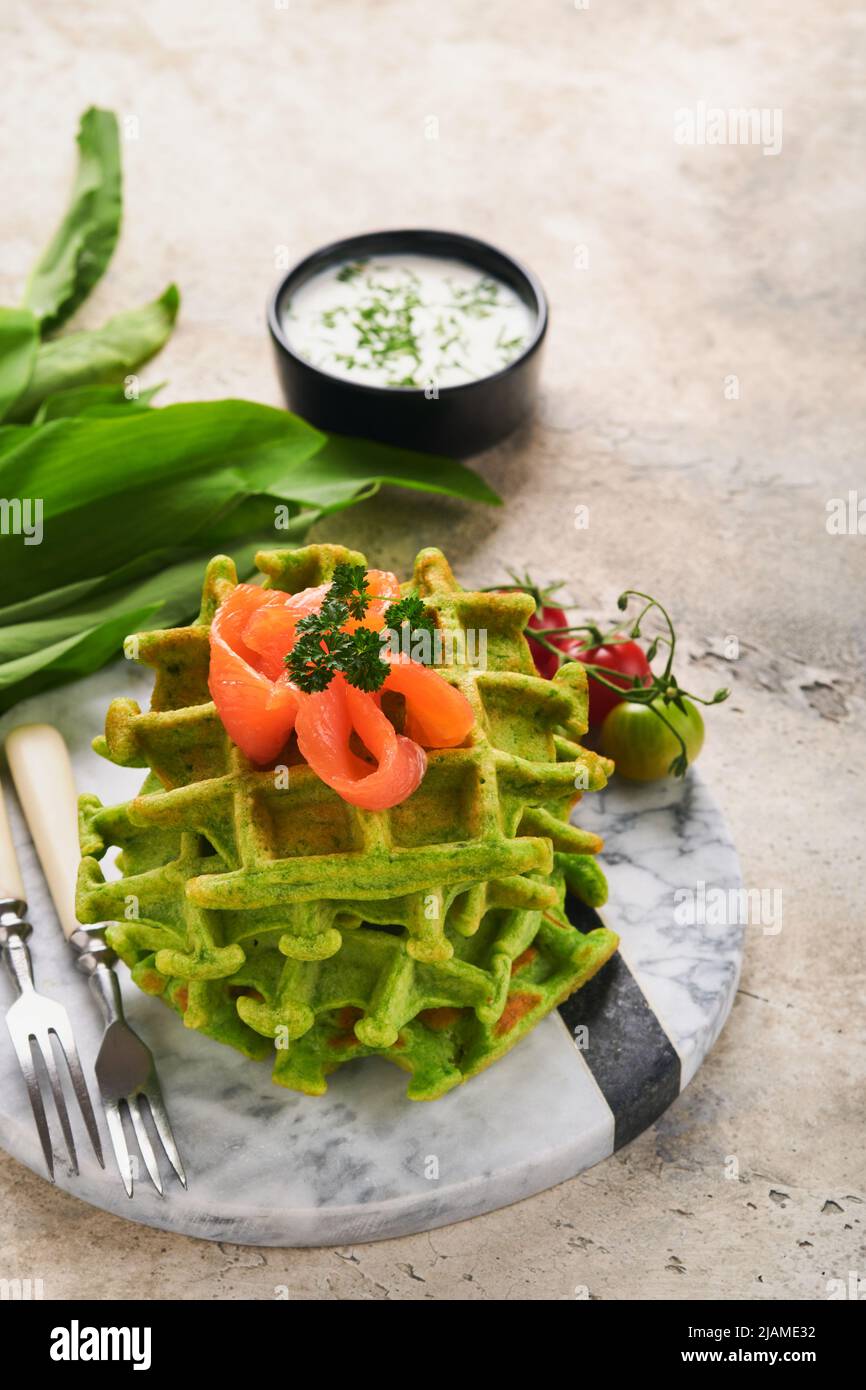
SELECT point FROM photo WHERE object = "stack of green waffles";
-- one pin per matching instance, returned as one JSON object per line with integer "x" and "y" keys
{"x": 274, "y": 916}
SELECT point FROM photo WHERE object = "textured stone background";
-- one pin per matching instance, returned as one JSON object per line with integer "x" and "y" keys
{"x": 265, "y": 127}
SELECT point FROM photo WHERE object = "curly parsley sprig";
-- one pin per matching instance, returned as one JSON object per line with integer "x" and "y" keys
{"x": 323, "y": 649}
{"x": 409, "y": 610}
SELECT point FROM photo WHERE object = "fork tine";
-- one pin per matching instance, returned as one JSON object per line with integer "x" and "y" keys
{"x": 63, "y": 1032}
{"x": 25, "y": 1059}
{"x": 144, "y": 1143}
{"x": 162, "y": 1126}
{"x": 50, "y": 1063}
{"x": 118, "y": 1142}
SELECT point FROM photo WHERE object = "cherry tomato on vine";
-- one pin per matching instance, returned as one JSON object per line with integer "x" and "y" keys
{"x": 546, "y": 663}
{"x": 545, "y": 616}
{"x": 642, "y": 747}
{"x": 625, "y": 659}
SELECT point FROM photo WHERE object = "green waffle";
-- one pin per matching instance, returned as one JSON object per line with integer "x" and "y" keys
{"x": 278, "y": 918}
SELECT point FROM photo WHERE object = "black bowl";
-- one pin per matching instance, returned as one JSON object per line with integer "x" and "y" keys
{"x": 459, "y": 420}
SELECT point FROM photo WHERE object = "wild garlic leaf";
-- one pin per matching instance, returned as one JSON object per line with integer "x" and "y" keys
{"x": 82, "y": 246}
{"x": 92, "y": 400}
{"x": 151, "y": 447}
{"x": 19, "y": 338}
{"x": 106, "y": 354}
{"x": 342, "y": 462}
{"x": 89, "y": 627}
{"x": 70, "y": 656}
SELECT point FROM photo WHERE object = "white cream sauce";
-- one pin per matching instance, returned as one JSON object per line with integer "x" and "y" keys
{"x": 407, "y": 320}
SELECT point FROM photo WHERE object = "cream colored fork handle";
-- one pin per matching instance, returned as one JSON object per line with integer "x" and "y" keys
{"x": 11, "y": 882}
{"x": 39, "y": 763}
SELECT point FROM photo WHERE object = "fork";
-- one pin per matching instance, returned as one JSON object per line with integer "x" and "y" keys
{"x": 34, "y": 1020}
{"x": 125, "y": 1069}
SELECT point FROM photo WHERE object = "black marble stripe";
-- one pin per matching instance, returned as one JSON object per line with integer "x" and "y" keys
{"x": 628, "y": 1052}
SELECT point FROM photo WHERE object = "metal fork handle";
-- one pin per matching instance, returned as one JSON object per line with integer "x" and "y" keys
{"x": 13, "y": 942}
{"x": 106, "y": 987}
{"x": 95, "y": 959}
{"x": 12, "y": 914}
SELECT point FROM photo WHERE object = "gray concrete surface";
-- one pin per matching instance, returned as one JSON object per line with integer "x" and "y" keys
{"x": 262, "y": 127}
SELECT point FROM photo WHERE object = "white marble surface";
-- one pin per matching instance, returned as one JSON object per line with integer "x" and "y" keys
{"x": 660, "y": 838}
{"x": 270, "y": 1167}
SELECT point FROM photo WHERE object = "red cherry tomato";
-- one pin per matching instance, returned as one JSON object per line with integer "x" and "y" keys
{"x": 546, "y": 662}
{"x": 624, "y": 659}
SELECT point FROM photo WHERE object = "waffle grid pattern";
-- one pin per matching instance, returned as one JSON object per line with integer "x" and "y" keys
{"x": 263, "y": 907}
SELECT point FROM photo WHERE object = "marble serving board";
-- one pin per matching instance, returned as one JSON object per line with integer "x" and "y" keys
{"x": 270, "y": 1167}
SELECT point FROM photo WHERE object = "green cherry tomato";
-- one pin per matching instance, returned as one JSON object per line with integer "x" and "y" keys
{"x": 642, "y": 747}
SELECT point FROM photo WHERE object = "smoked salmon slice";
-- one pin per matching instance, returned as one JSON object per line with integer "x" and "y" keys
{"x": 437, "y": 715}
{"x": 324, "y": 727}
{"x": 258, "y": 714}
{"x": 270, "y": 628}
